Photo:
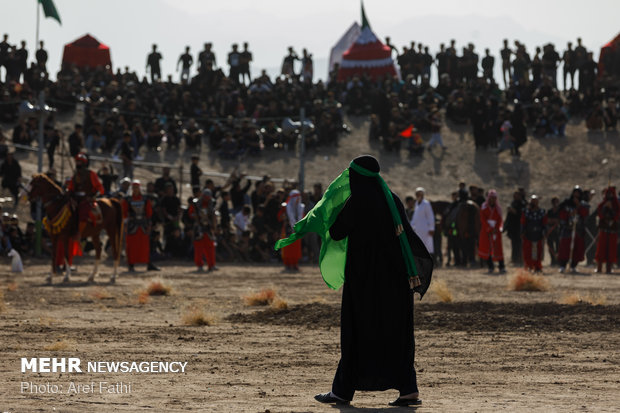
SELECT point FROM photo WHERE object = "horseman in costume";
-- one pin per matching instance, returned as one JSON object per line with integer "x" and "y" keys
{"x": 83, "y": 188}
{"x": 573, "y": 213}
{"x": 533, "y": 234}
{"x": 608, "y": 217}
{"x": 137, "y": 211}
{"x": 202, "y": 212}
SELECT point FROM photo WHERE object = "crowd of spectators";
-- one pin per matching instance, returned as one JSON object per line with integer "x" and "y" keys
{"x": 235, "y": 116}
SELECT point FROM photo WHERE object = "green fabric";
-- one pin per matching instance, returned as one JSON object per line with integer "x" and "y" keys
{"x": 333, "y": 255}
{"x": 398, "y": 225}
{"x": 50, "y": 10}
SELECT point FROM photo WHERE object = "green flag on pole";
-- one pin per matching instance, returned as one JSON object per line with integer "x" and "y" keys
{"x": 50, "y": 10}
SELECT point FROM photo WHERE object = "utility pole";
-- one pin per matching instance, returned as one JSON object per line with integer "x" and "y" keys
{"x": 302, "y": 149}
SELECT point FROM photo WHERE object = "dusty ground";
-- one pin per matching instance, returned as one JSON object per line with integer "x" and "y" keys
{"x": 492, "y": 349}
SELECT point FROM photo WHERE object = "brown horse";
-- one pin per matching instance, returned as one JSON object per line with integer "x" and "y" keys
{"x": 62, "y": 223}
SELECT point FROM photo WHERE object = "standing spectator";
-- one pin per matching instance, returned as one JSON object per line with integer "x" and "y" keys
{"x": 581, "y": 57}
{"x": 234, "y": 62}
{"x": 533, "y": 229}
{"x": 307, "y": 67}
{"x": 41, "y": 56}
{"x": 206, "y": 59}
{"x": 244, "y": 64}
{"x": 608, "y": 217}
{"x": 550, "y": 60}
{"x": 242, "y": 220}
{"x": 238, "y": 194}
{"x": 288, "y": 64}
{"x": 435, "y": 122}
{"x": 423, "y": 220}
{"x": 490, "y": 244}
{"x": 201, "y": 212}
{"x": 185, "y": 60}
{"x": 107, "y": 176}
{"x": 195, "y": 171}
{"x": 5, "y": 47}
{"x": 512, "y": 226}
{"x": 505, "y": 53}
{"x": 488, "y": 63}
{"x": 569, "y": 67}
{"x": 52, "y": 140}
{"x": 21, "y": 55}
{"x": 152, "y": 61}
{"x": 76, "y": 141}
{"x": 127, "y": 155}
{"x": 572, "y": 215}
{"x": 11, "y": 173}
{"x": 170, "y": 209}
{"x": 164, "y": 180}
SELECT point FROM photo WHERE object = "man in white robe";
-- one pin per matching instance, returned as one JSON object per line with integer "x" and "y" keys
{"x": 423, "y": 221}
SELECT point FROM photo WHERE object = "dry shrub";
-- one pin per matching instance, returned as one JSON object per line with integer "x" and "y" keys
{"x": 317, "y": 300}
{"x": 279, "y": 304}
{"x": 574, "y": 298}
{"x": 143, "y": 297}
{"x": 195, "y": 316}
{"x": 263, "y": 297}
{"x": 441, "y": 290}
{"x": 570, "y": 299}
{"x": 100, "y": 293}
{"x": 158, "y": 287}
{"x": 525, "y": 281}
{"x": 58, "y": 345}
{"x": 47, "y": 321}
{"x": 2, "y": 303}
{"x": 11, "y": 286}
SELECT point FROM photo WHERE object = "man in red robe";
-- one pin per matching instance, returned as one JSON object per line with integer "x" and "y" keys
{"x": 533, "y": 233}
{"x": 291, "y": 212}
{"x": 83, "y": 187}
{"x": 490, "y": 244}
{"x": 137, "y": 212}
{"x": 573, "y": 213}
{"x": 608, "y": 217}
{"x": 202, "y": 212}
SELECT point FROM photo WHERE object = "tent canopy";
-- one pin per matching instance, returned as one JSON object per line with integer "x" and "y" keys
{"x": 347, "y": 39}
{"x": 86, "y": 52}
{"x": 366, "y": 56}
{"x": 609, "y": 59}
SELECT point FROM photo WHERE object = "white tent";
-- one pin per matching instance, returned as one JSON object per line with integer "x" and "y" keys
{"x": 343, "y": 45}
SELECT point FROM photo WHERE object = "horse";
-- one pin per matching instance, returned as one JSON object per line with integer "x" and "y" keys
{"x": 462, "y": 226}
{"x": 62, "y": 220}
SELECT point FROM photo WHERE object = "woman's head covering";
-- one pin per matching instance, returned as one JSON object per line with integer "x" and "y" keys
{"x": 492, "y": 194}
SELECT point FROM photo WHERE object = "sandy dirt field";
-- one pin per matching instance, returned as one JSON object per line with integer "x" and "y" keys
{"x": 491, "y": 349}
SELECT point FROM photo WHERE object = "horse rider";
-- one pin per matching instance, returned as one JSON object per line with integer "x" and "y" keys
{"x": 83, "y": 188}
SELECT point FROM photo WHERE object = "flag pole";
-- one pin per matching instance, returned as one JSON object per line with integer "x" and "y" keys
{"x": 38, "y": 20}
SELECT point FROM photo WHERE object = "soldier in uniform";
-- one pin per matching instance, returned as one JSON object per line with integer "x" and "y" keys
{"x": 83, "y": 188}
{"x": 533, "y": 229}
{"x": 608, "y": 217}
{"x": 202, "y": 213}
{"x": 137, "y": 212}
{"x": 573, "y": 212}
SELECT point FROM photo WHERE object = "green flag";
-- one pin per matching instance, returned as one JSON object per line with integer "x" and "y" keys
{"x": 332, "y": 257}
{"x": 50, "y": 10}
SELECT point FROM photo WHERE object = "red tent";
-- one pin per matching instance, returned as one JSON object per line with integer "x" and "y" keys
{"x": 367, "y": 55}
{"x": 86, "y": 52}
{"x": 609, "y": 59}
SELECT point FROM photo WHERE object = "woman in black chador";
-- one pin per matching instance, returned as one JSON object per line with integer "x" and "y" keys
{"x": 377, "y": 343}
